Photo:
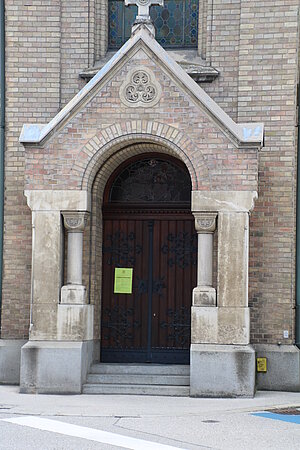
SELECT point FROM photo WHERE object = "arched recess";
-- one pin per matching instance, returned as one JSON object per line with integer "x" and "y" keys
{"x": 95, "y": 265}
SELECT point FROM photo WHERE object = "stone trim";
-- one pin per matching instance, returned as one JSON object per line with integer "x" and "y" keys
{"x": 225, "y": 201}
{"x": 58, "y": 200}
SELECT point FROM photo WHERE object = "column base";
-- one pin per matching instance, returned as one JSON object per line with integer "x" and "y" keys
{"x": 283, "y": 367}
{"x": 73, "y": 294}
{"x": 75, "y": 322}
{"x": 54, "y": 367}
{"x": 10, "y": 355}
{"x": 204, "y": 296}
{"x": 222, "y": 370}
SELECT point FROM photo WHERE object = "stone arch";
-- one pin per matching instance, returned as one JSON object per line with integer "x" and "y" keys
{"x": 119, "y": 137}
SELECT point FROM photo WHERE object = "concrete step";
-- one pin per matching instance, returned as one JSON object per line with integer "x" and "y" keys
{"x": 128, "y": 389}
{"x": 138, "y": 379}
{"x": 140, "y": 369}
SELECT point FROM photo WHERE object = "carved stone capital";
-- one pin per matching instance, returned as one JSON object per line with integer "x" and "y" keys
{"x": 75, "y": 221}
{"x": 205, "y": 222}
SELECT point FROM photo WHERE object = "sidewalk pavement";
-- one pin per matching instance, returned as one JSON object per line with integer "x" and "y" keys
{"x": 181, "y": 422}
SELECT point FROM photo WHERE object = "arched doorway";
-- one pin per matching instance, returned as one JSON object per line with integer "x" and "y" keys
{"x": 148, "y": 228}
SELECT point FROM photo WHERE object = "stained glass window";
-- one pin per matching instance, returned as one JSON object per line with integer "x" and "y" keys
{"x": 176, "y": 24}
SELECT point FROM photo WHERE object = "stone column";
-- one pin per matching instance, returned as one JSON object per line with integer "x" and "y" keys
{"x": 204, "y": 294}
{"x": 74, "y": 292}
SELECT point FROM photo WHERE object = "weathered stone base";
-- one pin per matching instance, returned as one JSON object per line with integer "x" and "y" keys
{"x": 222, "y": 370}
{"x": 54, "y": 367}
{"x": 73, "y": 294}
{"x": 283, "y": 367}
{"x": 10, "y": 355}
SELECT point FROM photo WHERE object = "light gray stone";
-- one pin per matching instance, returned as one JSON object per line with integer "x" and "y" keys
{"x": 10, "y": 354}
{"x": 222, "y": 371}
{"x": 205, "y": 259}
{"x": 73, "y": 294}
{"x": 58, "y": 200}
{"x": 204, "y": 296}
{"x": 283, "y": 367}
{"x": 223, "y": 201}
{"x": 74, "y": 258}
{"x": 54, "y": 367}
{"x": 75, "y": 322}
{"x": 220, "y": 325}
{"x": 233, "y": 243}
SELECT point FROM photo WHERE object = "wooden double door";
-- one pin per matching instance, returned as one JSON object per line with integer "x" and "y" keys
{"x": 152, "y": 324}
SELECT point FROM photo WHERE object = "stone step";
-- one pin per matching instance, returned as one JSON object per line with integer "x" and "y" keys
{"x": 140, "y": 369}
{"x": 128, "y": 389}
{"x": 138, "y": 379}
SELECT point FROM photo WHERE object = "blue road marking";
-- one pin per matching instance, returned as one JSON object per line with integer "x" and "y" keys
{"x": 283, "y": 417}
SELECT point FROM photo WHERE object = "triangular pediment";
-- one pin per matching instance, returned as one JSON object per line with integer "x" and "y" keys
{"x": 140, "y": 47}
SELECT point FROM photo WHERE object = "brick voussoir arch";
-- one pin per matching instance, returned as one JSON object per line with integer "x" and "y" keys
{"x": 120, "y": 135}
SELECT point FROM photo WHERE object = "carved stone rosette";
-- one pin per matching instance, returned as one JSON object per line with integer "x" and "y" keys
{"x": 205, "y": 222}
{"x": 75, "y": 221}
{"x": 140, "y": 88}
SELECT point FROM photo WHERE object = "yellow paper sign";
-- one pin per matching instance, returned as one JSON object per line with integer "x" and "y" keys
{"x": 261, "y": 364}
{"x": 123, "y": 281}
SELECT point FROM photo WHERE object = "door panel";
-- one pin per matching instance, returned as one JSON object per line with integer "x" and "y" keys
{"x": 153, "y": 323}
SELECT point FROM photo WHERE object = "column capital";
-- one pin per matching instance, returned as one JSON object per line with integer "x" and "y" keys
{"x": 205, "y": 222}
{"x": 75, "y": 221}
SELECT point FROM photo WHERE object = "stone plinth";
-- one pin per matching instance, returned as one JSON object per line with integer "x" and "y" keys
{"x": 73, "y": 294}
{"x": 54, "y": 367}
{"x": 222, "y": 371}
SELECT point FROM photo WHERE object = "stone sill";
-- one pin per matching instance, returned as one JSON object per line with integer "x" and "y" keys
{"x": 188, "y": 59}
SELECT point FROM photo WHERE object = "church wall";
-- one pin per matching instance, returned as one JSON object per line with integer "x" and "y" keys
{"x": 267, "y": 92}
{"x": 222, "y": 52}
{"x": 77, "y": 45}
{"x": 32, "y": 94}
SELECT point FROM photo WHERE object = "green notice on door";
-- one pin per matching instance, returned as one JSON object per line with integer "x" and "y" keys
{"x": 123, "y": 280}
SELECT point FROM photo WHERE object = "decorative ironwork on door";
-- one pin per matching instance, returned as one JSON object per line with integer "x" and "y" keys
{"x": 160, "y": 244}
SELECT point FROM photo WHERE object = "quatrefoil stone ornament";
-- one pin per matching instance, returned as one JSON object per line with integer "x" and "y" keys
{"x": 140, "y": 89}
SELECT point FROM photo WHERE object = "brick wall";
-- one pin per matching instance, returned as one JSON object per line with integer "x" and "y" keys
{"x": 32, "y": 94}
{"x": 267, "y": 92}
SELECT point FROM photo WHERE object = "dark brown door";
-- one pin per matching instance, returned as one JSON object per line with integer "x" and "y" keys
{"x": 153, "y": 323}
{"x": 158, "y": 241}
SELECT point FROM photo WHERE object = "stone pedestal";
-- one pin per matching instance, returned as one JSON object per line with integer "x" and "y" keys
{"x": 283, "y": 367}
{"x": 222, "y": 370}
{"x": 10, "y": 354}
{"x": 54, "y": 367}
